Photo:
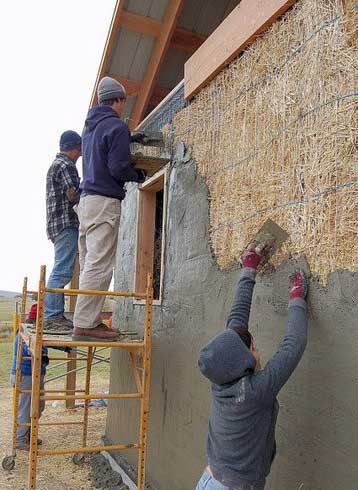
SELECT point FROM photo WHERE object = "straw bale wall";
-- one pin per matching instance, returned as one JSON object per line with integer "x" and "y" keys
{"x": 274, "y": 136}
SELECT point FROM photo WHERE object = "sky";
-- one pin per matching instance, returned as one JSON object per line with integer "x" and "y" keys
{"x": 50, "y": 52}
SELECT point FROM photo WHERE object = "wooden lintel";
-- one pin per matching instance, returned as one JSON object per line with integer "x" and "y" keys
{"x": 161, "y": 46}
{"x": 181, "y": 39}
{"x": 247, "y": 21}
{"x": 150, "y": 164}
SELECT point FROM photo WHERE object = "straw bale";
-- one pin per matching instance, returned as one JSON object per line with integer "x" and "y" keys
{"x": 274, "y": 136}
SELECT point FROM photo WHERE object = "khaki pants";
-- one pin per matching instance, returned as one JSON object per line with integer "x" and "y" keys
{"x": 97, "y": 243}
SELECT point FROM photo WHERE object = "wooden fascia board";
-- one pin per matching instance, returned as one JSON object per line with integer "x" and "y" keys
{"x": 181, "y": 39}
{"x": 108, "y": 48}
{"x": 247, "y": 21}
{"x": 133, "y": 88}
{"x": 161, "y": 46}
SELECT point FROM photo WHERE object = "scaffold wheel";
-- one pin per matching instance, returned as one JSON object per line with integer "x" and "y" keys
{"x": 8, "y": 463}
{"x": 78, "y": 458}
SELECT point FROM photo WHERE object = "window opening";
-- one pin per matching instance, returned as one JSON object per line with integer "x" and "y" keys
{"x": 151, "y": 234}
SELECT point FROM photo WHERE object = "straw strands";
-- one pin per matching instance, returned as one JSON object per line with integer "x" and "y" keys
{"x": 274, "y": 136}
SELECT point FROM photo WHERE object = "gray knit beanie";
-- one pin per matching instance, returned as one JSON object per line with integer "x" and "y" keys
{"x": 108, "y": 88}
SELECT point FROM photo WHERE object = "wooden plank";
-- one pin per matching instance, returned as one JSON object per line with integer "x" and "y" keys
{"x": 181, "y": 39}
{"x": 145, "y": 238}
{"x": 150, "y": 164}
{"x": 171, "y": 16}
{"x": 247, "y": 21}
{"x": 108, "y": 48}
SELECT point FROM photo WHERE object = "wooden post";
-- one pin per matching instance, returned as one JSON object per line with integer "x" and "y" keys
{"x": 144, "y": 405}
{"x": 70, "y": 379}
{"x": 90, "y": 354}
{"x": 36, "y": 381}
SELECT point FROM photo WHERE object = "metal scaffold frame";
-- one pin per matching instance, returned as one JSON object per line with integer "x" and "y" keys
{"x": 138, "y": 350}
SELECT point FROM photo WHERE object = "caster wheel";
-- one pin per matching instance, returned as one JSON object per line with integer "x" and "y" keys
{"x": 8, "y": 463}
{"x": 78, "y": 458}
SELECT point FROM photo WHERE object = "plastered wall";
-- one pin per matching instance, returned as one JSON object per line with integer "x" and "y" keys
{"x": 317, "y": 428}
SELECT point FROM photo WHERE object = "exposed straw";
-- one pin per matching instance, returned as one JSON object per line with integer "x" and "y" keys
{"x": 275, "y": 135}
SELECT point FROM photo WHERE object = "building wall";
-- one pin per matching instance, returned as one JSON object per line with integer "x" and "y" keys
{"x": 317, "y": 428}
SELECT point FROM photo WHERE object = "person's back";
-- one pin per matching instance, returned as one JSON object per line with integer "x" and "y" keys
{"x": 107, "y": 166}
{"x": 106, "y": 156}
{"x": 241, "y": 440}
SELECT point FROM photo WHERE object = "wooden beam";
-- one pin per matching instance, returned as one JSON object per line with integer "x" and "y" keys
{"x": 140, "y": 23}
{"x": 171, "y": 16}
{"x": 133, "y": 88}
{"x": 108, "y": 48}
{"x": 247, "y": 21}
{"x": 186, "y": 40}
{"x": 181, "y": 39}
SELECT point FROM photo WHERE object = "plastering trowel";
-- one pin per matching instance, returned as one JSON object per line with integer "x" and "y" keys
{"x": 270, "y": 238}
{"x": 152, "y": 138}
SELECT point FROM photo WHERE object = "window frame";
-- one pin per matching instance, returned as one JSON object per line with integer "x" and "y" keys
{"x": 159, "y": 181}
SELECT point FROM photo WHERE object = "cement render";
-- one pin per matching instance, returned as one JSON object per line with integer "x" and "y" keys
{"x": 317, "y": 431}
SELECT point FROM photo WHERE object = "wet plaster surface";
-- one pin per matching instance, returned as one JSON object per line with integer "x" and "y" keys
{"x": 317, "y": 430}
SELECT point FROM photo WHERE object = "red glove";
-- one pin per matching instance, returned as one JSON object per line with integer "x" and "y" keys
{"x": 252, "y": 257}
{"x": 33, "y": 312}
{"x": 298, "y": 285}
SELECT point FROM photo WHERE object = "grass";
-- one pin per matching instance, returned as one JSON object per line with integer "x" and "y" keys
{"x": 5, "y": 363}
{"x": 100, "y": 372}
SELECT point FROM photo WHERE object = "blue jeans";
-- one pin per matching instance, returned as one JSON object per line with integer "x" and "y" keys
{"x": 66, "y": 246}
{"x": 208, "y": 482}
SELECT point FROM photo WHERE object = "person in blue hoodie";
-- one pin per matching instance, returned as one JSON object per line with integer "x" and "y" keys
{"x": 241, "y": 441}
{"x": 24, "y": 408}
{"x": 107, "y": 166}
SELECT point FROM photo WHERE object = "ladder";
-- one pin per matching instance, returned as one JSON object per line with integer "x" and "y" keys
{"x": 140, "y": 357}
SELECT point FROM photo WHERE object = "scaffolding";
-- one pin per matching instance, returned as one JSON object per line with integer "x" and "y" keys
{"x": 140, "y": 357}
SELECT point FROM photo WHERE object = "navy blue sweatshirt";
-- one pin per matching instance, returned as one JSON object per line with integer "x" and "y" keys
{"x": 244, "y": 408}
{"x": 106, "y": 160}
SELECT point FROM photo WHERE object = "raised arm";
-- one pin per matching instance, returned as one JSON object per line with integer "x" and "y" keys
{"x": 119, "y": 158}
{"x": 240, "y": 311}
{"x": 277, "y": 371}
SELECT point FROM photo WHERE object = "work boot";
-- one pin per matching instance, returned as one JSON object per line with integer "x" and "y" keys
{"x": 101, "y": 333}
{"x": 58, "y": 326}
{"x": 25, "y": 445}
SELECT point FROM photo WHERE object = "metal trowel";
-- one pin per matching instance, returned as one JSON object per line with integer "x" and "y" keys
{"x": 270, "y": 238}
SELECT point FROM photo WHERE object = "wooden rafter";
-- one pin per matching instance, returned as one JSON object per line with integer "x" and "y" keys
{"x": 133, "y": 88}
{"x": 181, "y": 39}
{"x": 161, "y": 46}
{"x": 108, "y": 48}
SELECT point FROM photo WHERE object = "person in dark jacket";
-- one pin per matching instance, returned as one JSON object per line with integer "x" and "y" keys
{"x": 24, "y": 407}
{"x": 241, "y": 441}
{"x": 107, "y": 167}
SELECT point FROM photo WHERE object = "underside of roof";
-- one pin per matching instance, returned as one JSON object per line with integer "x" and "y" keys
{"x": 148, "y": 43}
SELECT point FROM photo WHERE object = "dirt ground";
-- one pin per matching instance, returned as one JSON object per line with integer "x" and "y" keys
{"x": 54, "y": 472}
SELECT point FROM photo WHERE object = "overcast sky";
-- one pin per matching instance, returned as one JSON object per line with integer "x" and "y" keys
{"x": 50, "y": 53}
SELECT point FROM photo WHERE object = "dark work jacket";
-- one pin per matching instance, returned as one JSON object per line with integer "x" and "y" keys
{"x": 241, "y": 441}
{"x": 106, "y": 159}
